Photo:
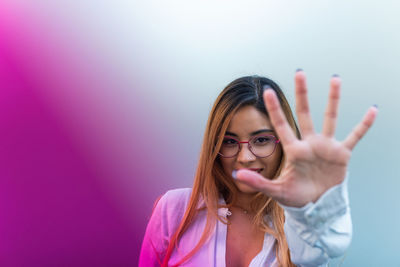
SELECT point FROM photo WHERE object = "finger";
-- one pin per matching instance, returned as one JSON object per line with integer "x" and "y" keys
{"x": 302, "y": 107}
{"x": 360, "y": 130}
{"x": 278, "y": 119}
{"x": 258, "y": 182}
{"x": 331, "y": 111}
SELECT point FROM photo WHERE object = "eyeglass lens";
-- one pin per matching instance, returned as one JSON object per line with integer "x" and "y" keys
{"x": 260, "y": 146}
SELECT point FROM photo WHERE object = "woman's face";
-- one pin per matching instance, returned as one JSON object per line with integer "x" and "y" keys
{"x": 246, "y": 123}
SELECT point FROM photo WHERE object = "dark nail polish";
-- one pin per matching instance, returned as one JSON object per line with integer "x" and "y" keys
{"x": 299, "y": 69}
{"x": 234, "y": 174}
{"x": 267, "y": 86}
{"x": 335, "y": 75}
{"x": 375, "y": 105}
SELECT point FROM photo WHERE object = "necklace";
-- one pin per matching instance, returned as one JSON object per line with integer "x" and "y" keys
{"x": 244, "y": 211}
{"x": 229, "y": 213}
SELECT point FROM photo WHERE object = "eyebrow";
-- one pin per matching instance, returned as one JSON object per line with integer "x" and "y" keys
{"x": 253, "y": 133}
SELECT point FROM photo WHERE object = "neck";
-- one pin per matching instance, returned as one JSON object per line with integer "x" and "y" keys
{"x": 243, "y": 200}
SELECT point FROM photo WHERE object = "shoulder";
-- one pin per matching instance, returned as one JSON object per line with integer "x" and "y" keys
{"x": 176, "y": 197}
{"x": 172, "y": 204}
{"x": 167, "y": 214}
{"x": 179, "y": 194}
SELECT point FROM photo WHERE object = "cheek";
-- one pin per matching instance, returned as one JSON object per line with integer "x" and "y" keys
{"x": 227, "y": 165}
{"x": 273, "y": 163}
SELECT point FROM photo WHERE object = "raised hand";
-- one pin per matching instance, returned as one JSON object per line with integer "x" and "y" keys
{"x": 316, "y": 162}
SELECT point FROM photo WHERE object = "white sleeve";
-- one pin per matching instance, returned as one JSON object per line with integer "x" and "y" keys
{"x": 164, "y": 221}
{"x": 155, "y": 239}
{"x": 321, "y": 230}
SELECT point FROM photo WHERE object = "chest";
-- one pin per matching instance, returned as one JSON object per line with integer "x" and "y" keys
{"x": 243, "y": 242}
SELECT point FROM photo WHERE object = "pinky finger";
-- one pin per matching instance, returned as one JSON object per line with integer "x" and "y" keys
{"x": 359, "y": 131}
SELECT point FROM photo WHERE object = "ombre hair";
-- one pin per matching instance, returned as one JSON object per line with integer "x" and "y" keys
{"x": 211, "y": 182}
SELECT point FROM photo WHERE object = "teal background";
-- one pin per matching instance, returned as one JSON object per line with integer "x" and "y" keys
{"x": 131, "y": 83}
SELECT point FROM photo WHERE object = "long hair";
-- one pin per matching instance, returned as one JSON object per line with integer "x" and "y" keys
{"x": 211, "y": 182}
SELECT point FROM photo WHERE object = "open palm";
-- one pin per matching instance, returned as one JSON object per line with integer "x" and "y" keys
{"x": 314, "y": 163}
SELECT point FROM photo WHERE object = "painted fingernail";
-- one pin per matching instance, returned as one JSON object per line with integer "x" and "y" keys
{"x": 335, "y": 75}
{"x": 234, "y": 173}
{"x": 299, "y": 69}
{"x": 375, "y": 105}
{"x": 267, "y": 86}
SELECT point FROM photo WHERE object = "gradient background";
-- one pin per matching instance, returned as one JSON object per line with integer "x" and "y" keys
{"x": 103, "y": 105}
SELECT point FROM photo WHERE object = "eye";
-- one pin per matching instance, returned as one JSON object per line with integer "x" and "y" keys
{"x": 229, "y": 142}
{"x": 262, "y": 140}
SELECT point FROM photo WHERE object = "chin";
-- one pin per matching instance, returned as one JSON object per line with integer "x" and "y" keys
{"x": 245, "y": 188}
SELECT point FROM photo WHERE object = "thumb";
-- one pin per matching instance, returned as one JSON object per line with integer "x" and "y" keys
{"x": 258, "y": 182}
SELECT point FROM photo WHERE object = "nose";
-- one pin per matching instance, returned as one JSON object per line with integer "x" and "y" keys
{"x": 245, "y": 155}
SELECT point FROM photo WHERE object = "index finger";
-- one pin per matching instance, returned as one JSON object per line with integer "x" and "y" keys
{"x": 278, "y": 119}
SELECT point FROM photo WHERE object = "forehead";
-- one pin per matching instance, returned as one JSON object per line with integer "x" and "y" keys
{"x": 248, "y": 119}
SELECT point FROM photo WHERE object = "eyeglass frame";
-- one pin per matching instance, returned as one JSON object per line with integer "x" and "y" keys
{"x": 277, "y": 141}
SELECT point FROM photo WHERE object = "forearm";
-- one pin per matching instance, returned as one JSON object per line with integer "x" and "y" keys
{"x": 320, "y": 231}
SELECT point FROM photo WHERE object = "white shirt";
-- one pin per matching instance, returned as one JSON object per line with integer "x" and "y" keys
{"x": 315, "y": 233}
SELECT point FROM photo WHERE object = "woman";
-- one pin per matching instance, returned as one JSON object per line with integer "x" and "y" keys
{"x": 264, "y": 194}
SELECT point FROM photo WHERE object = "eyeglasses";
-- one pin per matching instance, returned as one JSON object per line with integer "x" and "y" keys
{"x": 261, "y": 146}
